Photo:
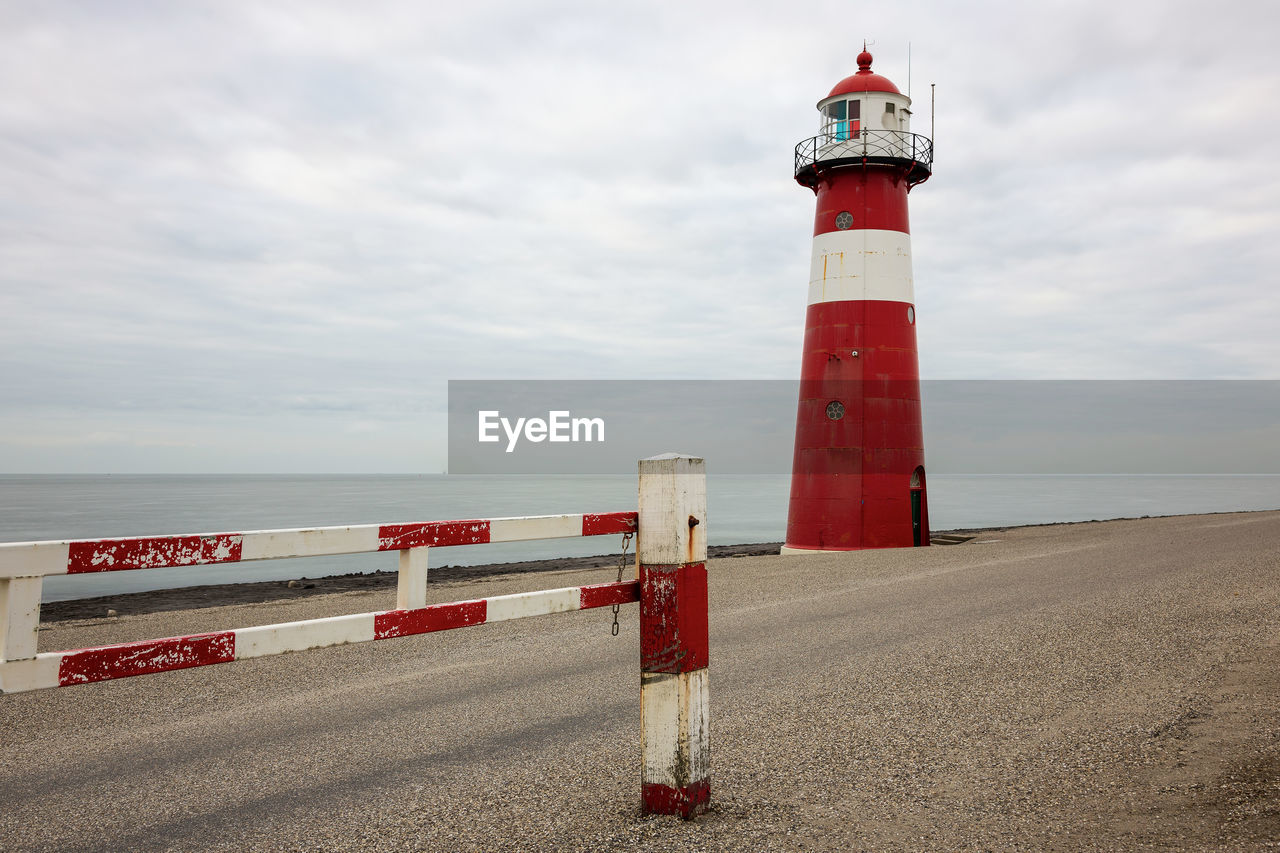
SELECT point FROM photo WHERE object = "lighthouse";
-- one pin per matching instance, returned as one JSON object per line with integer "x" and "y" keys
{"x": 858, "y": 475}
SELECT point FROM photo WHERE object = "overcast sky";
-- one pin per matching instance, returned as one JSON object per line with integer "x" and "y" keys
{"x": 262, "y": 236}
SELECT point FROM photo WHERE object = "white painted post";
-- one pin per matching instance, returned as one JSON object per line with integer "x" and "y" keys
{"x": 672, "y": 553}
{"x": 19, "y": 617}
{"x": 411, "y": 582}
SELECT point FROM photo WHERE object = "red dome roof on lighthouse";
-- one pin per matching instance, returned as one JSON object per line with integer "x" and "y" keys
{"x": 865, "y": 80}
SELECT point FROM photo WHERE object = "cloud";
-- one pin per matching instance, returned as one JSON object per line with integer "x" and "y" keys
{"x": 234, "y": 207}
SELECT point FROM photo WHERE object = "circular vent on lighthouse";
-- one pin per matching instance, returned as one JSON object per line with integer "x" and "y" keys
{"x": 844, "y": 220}
{"x": 835, "y": 410}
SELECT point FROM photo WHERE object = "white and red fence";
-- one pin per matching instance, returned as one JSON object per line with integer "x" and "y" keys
{"x": 671, "y": 588}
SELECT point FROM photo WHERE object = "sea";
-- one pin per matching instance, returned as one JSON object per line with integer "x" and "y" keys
{"x": 741, "y": 509}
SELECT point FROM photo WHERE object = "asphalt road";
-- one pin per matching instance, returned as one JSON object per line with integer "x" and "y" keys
{"x": 1094, "y": 686}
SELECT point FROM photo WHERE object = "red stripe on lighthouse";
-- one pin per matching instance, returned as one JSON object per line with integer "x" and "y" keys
{"x": 881, "y": 334}
{"x": 875, "y": 197}
{"x": 851, "y": 480}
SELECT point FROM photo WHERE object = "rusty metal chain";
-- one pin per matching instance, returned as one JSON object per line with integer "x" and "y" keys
{"x": 622, "y": 565}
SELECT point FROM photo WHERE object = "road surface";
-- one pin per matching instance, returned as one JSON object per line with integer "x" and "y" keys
{"x": 1107, "y": 685}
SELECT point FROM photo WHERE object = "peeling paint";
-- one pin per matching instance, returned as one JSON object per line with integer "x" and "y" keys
{"x": 609, "y": 594}
{"x": 396, "y": 537}
{"x": 128, "y": 659}
{"x": 686, "y": 801}
{"x": 673, "y": 618}
{"x": 82, "y": 666}
{"x": 424, "y": 620}
{"x": 610, "y": 522}
{"x": 112, "y": 555}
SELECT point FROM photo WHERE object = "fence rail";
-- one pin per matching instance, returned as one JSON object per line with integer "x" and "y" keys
{"x": 909, "y": 151}
{"x": 123, "y": 660}
{"x": 23, "y": 565}
{"x": 671, "y": 588}
{"x": 22, "y": 559}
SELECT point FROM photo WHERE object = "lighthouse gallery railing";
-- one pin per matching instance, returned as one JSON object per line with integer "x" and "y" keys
{"x": 892, "y": 147}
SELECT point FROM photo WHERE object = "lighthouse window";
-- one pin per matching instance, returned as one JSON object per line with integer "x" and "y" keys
{"x": 842, "y": 119}
{"x": 888, "y": 108}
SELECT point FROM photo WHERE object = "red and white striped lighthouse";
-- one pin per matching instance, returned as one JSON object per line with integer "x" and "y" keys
{"x": 857, "y": 477}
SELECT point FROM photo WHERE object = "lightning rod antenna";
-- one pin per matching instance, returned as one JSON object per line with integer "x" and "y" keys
{"x": 933, "y": 99}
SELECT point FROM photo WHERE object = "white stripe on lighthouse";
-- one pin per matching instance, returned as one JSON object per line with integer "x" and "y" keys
{"x": 861, "y": 264}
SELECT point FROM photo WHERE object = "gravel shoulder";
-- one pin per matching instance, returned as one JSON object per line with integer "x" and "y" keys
{"x": 1097, "y": 686}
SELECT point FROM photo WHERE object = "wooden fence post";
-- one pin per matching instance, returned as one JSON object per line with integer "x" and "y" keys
{"x": 19, "y": 617}
{"x": 411, "y": 581}
{"x": 672, "y": 554}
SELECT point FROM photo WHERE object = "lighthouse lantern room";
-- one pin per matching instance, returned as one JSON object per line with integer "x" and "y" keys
{"x": 858, "y": 476}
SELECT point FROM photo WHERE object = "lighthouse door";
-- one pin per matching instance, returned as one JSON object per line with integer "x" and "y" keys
{"x": 918, "y": 529}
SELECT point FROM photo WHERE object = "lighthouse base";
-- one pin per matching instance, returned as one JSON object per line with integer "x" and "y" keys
{"x": 791, "y": 551}
{"x": 788, "y": 551}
